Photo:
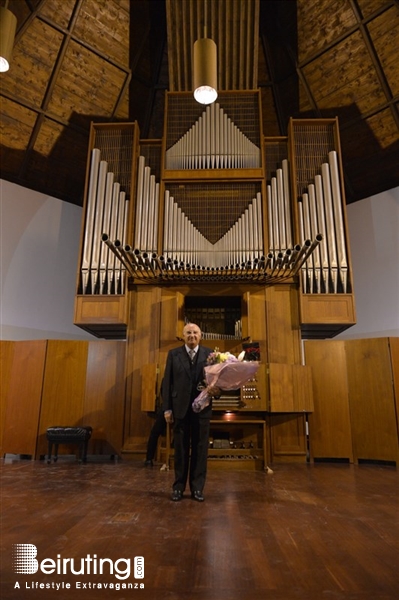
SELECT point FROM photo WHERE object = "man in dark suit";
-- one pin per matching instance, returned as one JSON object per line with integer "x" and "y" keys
{"x": 182, "y": 375}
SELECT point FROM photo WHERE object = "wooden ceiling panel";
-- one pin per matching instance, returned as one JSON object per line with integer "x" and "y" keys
{"x": 104, "y": 26}
{"x": 15, "y": 130}
{"x": 384, "y": 129}
{"x": 336, "y": 81}
{"x": 52, "y": 154}
{"x": 32, "y": 64}
{"x": 88, "y": 81}
{"x": 376, "y": 142}
{"x": 48, "y": 136}
{"x": 320, "y": 22}
{"x": 384, "y": 32}
{"x": 58, "y": 11}
{"x": 369, "y": 7}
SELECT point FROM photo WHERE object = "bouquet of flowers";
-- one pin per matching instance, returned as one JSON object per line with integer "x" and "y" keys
{"x": 225, "y": 372}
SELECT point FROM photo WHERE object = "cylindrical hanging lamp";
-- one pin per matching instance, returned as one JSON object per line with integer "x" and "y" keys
{"x": 8, "y": 27}
{"x": 205, "y": 71}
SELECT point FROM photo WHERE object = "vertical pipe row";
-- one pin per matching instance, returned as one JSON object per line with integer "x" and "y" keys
{"x": 320, "y": 211}
{"x": 106, "y": 209}
{"x": 147, "y": 208}
{"x": 279, "y": 214}
{"x": 214, "y": 141}
{"x": 183, "y": 242}
{"x": 90, "y": 212}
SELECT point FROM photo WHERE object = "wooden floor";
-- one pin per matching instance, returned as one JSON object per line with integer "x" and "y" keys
{"x": 314, "y": 532}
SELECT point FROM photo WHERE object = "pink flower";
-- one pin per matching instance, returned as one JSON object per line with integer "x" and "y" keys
{"x": 227, "y": 375}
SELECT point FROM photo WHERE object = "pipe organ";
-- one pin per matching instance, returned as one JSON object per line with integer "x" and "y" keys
{"x": 219, "y": 210}
{"x": 243, "y": 233}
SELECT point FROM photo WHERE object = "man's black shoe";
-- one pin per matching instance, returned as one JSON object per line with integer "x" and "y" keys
{"x": 198, "y": 496}
{"x": 177, "y": 495}
{"x": 148, "y": 463}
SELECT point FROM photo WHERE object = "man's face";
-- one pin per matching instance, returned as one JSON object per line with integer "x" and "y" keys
{"x": 191, "y": 335}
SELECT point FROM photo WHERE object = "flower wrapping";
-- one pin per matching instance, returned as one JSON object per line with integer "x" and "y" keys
{"x": 228, "y": 375}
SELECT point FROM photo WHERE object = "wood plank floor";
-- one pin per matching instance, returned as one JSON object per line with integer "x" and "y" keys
{"x": 314, "y": 532}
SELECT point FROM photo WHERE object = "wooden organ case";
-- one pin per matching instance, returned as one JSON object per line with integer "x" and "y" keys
{"x": 243, "y": 234}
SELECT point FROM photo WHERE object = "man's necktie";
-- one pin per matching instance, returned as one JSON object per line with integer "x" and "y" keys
{"x": 191, "y": 354}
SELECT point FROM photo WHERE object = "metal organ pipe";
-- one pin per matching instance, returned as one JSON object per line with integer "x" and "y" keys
{"x": 107, "y": 209}
{"x": 104, "y": 254}
{"x": 90, "y": 212}
{"x": 332, "y": 248}
{"x": 113, "y": 236}
{"x": 97, "y": 230}
{"x": 214, "y": 141}
{"x": 322, "y": 212}
{"x": 287, "y": 202}
{"x": 139, "y": 199}
{"x": 316, "y": 256}
{"x": 321, "y": 220}
{"x": 338, "y": 218}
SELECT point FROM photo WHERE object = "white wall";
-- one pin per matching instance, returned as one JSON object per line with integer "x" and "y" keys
{"x": 374, "y": 241}
{"x": 39, "y": 247}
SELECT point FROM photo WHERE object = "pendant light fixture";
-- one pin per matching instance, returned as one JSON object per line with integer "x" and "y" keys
{"x": 8, "y": 27}
{"x": 205, "y": 68}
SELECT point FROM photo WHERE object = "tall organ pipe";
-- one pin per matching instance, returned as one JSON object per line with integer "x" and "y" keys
{"x": 113, "y": 228}
{"x": 139, "y": 201}
{"x": 281, "y": 210}
{"x": 97, "y": 231}
{"x": 338, "y": 217}
{"x": 286, "y": 202}
{"x": 321, "y": 219}
{"x": 308, "y": 235}
{"x": 90, "y": 212}
{"x": 314, "y": 230}
{"x": 331, "y": 243}
{"x": 104, "y": 254}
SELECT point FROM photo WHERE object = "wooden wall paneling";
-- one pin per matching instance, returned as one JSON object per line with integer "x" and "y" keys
{"x": 371, "y": 400}
{"x": 284, "y": 347}
{"x": 330, "y": 434}
{"x": 142, "y": 349}
{"x": 256, "y": 315}
{"x": 172, "y": 303}
{"x": 64, "y": 388}
{"x": 149, "y": 377}
{"x": 283, "y": 333}
{"x": 327, "y": 314}
{"x": 102, "y": 316}
{"x": 24, "y": 393}
{"x": 288, "y": 438}
{"x": 394, "y": 350}
{"x": 280, "y": 387}
{"x": 290, "y": 388}
{"x": 6, "y": 357}
{"x": 303, "y": 388}
{"x": 104, "y": 400}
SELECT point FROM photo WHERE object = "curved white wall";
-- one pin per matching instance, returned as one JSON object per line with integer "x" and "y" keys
{"x": 374, "y": 241}
{"x": 39, "y": 248}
